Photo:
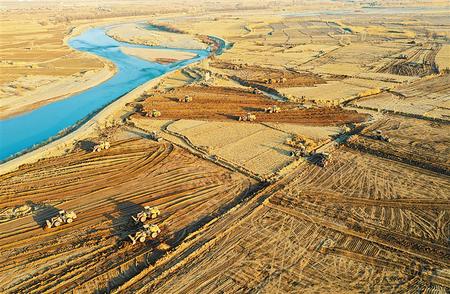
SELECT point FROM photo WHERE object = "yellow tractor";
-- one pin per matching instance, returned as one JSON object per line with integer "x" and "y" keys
{"x": 186, "y": 99}
{"x": 247, "y": 117}
{"x": 154, "y": 113}
{"x": 327, "y": 246}
{"x": 63, "y": 217}
{"x": 103, "y": 145}
{"x": 272, "y": 109}
{"x": 147, "y": 231}
{"x": 147, "y": 213}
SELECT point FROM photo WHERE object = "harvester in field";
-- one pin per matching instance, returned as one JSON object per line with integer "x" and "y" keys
{"x": 147, "y": 213}
{"x": 272, "y": 109}
{"x": 63, "y": 217}
{"x": 154, "y": 113}
{"x": 104, "y": 145}
{"x": 146, "y": 232}
{"x": 247, "y": 117}
{"x": 186, "y": 99}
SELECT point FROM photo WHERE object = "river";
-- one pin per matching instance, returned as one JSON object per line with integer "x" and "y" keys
{"x": 24, "y": 132}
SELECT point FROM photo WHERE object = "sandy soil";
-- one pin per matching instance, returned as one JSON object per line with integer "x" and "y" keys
{"x": 427, "y": 97}
{"x": 361, "y": 224}
{"x": 158, "y": 55}
{"x": 413, "y": 140}
{"x": 256, "y": 147}
{"x": 443, "y": 57}
{"x": 133, "y": 33}
{"x": 222, "y": 103}
{"x": 35, "y": 70}
{"x": 139, "y": 172}
{"x": 374, "y": 220}
{"x": 31, "y": 92}
{"x": 109, "y": 116}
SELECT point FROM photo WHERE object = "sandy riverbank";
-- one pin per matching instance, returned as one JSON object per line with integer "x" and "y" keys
{"x": 108, "y": 116}
{"x": 40, "y": 90}
{"x": 133, "y": 33}
{"x": 158, "y": 55}
{"x": 32, "y": 91}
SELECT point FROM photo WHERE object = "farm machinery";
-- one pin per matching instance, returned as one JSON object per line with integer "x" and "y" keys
{"x": 154, "y": 113}
{"x": 272, "y": 109}
{"x": 147, "y": 213}
{"x": 247, "y": 117}
{"x": 146, "y": 232}
{"x": 186, "y": 99}
{"x": 380, "y": 136}
{"x": 63, "y": 217}
{"x": 104, "y": 145}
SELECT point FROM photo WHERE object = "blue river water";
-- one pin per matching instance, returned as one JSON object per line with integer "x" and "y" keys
{"x": 23, "y": 132}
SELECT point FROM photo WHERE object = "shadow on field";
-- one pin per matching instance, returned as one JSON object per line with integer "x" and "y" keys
{"x": 122, "y": 223}
{"x": 253, "y": 109}
{"x": 43, "y": 213}
{"x": 140, "y": 134}
{"x": 86, "y": 145}
{"x": 279, "y": 150}
{"x": 230, "y": 116}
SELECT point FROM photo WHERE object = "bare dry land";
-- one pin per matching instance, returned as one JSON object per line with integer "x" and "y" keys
{"x": 105, "y": 189}
{"x": 362, "y": 224}
{"x": 246, "y": 206}
{"x": 428, "y": 98}
{"x": 225, "y": 103}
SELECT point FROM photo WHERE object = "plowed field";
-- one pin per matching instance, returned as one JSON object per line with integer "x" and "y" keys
{"x": 223, "y": 103}
{"x": 361, "y": 224}
{"x": 105, "y": 189}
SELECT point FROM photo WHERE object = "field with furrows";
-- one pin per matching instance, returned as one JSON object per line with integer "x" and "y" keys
{"x": 272, "y": 77}
{"x": 105, "y": 189}
{"x": 361, "y": 224}
{"x": 418, "y": 142}
{"x": 226, "y": 103}
{"x": 419, "y": 60}
{"x": 427, "y": 97}
{"x": 257, "y": 147}
{"x": 308, "y": 152}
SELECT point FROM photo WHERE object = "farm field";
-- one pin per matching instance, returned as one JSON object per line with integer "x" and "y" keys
{"x": 105, "y": 189}
{"x": 427, "y": 98}
{"x": 307, "y": 152}
{"x": 418, "y": 142}
{"x": 256, "y": 147}
{"x": 227, "y": 103}
{"x": 362, "y": 224}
